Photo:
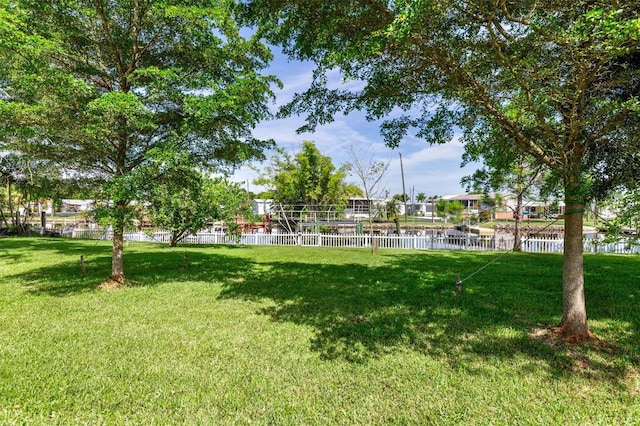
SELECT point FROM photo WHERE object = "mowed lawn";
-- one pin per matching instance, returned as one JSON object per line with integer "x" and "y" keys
{"x": 299, "y": 335}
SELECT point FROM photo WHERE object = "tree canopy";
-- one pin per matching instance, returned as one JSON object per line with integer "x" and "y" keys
{"x": 96, "y": 85}
{"x": 547, "y": 74}
{"x": 306, "y": 180}
{"x": 183, "y": 200}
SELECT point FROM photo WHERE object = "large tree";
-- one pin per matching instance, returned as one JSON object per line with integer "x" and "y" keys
{"x": 544, "y": 72}
{"x": 97, "y": 84}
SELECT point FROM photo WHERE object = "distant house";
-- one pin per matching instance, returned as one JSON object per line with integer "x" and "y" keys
{"x": 76, "y": 206}
{"x": 262, "y": 206}
{"x": 530, "y": 208}
{"x": 360, "y": 207}
{"x": 424, "y": 209}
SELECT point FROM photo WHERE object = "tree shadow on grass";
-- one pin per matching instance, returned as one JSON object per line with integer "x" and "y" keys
{"x": 145, "y": 265}
{"x": 18, "y": 249}
{"x": 408, "y": 303}
{"x": 389, "y": 302}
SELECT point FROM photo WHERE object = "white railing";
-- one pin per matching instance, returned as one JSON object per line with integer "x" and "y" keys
{"x": 437, "y": 241}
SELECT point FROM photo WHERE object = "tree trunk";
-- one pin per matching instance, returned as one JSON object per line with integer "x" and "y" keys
{"x": 370, "y": 208}
{"x": 3, "y": 217}
{"x": 517, "y": 232}
{"x": 10, "y": 199}
{"x": 117, "y": 259}
{"x": 574, "y": 313}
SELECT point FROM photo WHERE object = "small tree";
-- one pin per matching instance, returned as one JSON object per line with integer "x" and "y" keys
{"x": 505, "y": 170}
{"x": 392, "y": 208}
{"x": 449, "y": 210}
{"x": 234, "y": 204}
{"x": 307, "y": 180}
{"x": 182, "y": 200}
{"x": 370, "y": 173}
{"x": 626, "y": 205}
{"x": 27, "y": 183}
{"x": 11, "y": 173}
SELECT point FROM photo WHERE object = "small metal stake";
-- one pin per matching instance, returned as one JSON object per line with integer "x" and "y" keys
{"x": 458, "y": 285}
{"x": 82, "y": 264}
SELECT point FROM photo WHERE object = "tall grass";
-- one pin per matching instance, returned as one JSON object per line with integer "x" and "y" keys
{"x": 275, "y": 335}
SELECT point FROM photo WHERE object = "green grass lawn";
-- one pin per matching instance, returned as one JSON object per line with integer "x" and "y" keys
{"x": 276, "y": 335}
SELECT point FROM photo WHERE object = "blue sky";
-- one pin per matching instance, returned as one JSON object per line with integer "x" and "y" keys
{"x": 433, "y": 170}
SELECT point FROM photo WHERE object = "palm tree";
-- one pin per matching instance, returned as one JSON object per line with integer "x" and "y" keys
{"x": 393, "y": 208}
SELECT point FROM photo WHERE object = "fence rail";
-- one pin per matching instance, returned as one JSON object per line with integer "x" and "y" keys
{"x": 443, "y": 240}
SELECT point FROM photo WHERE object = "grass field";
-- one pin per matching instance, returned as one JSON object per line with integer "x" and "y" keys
{"x": 275, "y": 335}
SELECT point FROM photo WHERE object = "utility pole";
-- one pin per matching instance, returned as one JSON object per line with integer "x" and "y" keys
{"x": 404, "y": 192}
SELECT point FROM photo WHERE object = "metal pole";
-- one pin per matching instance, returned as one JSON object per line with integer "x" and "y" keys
{"x": 404, "y": 192}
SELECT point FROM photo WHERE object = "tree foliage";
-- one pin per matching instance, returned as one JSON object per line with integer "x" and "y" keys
{"x": 547, "y": 74}
{"x": 449, "y": 210}
{"x": 506, "y": 170}
{"x": 184, "y": 201}
{"x": 28, "y": 186}
{"x": 97, "y": 85}
{"x": 625, "y": 226}
{"x": 306, "y": 180}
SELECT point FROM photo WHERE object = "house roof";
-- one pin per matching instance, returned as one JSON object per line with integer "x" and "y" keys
{"x": 464, "y": 197}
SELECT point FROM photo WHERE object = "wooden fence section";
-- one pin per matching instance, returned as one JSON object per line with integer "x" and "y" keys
{"x": 436, "y": 241}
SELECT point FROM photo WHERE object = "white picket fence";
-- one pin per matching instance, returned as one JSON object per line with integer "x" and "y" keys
{"x": 444, "y": 240}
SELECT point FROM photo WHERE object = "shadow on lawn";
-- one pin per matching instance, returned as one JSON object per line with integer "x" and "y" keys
{"x": 408, "y": 302}
{"x": 145, "y": 265}
{"x": 17, "y": 249}
{"x": 399, "y": 302}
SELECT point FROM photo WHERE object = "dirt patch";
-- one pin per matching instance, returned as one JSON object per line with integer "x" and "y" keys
{"x": 553, "y": 337}
{"x": 548, "y": 337}
{"x": 583, "y": 354}
{"x": 111, "y": 284}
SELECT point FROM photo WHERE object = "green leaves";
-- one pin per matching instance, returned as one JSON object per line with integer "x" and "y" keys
{"x": 116, "y": 112}
{"x": 610, "y": 30}
{"x": 309, "y": 179}
{"x": 101, "y": 86}
{"x": 449, "y": 210}
{"x": 624, "y": 225}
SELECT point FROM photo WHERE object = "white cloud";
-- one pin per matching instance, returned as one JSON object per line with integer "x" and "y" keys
{"x": 432, "y": 169}
{"x": 451, "y": 151}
